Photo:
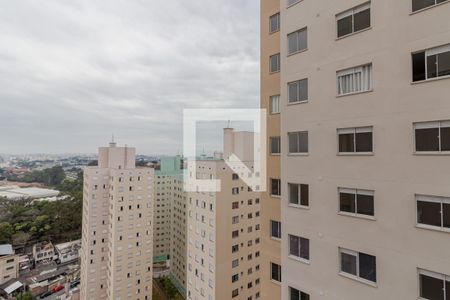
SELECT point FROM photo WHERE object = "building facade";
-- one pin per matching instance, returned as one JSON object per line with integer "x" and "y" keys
{"x": 224, "y": 228}
{"x": 9, "y": 263}
{"x": 117, "y": 233}
{"x": 365, "y": 139}
{"x": 270, "y": 101}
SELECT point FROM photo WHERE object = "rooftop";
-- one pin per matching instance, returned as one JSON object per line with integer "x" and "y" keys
{"x": 6, "y": 249}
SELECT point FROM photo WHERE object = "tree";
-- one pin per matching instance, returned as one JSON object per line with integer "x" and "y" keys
{"x": 6, "y": 231}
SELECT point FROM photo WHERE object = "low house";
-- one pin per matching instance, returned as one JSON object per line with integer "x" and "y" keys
{"x": 10, "y": 287}
{"x": 8, "y": 263}
{"x": 68, "y": 251}
{"x": 43, "y": 252}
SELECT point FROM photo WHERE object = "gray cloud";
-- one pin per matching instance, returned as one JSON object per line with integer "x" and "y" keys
{"x": 73, "y": 72}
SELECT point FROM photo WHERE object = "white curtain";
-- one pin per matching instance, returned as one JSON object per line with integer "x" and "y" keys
{"x": 355, "y": 80}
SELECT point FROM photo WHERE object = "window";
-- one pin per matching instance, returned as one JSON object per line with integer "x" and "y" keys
{"x": 298, "y": 194}
{"x": 433, "y": 211}
{"x": 235, "y": 190}
{"x": 354, "y": 80}
{"x": 299, "y": 247}
{"x": 275, "y": 187}
{"x": 235, "y": 263}
{"x": 432, "y": 136}
{"x": 274, "y": 65}
{"x": 234, "y": 176}
{"x": 275, "y": 272}
{"x": 235, "y": 278}
{"x": 235, "y": 205}
{"x": 298, "y": 142}
{"x": 359, "y": 265}
{"x": 358, "y": 202}
{"x": 274, "y": 23}
{"x": 275, "y": 145}
{"x": 274, "y": 104}
{"x": 421, "y": 4}
{"x": 275, "y": 229}
{"x": 235, "y": 293}
{"x": 431, "y": 63}
{"x": 235, "y": 220}
{"x": 298, "y": 91}
{"x": 353, "y": 20}
{"x": 353, "y": 140}
{"x": 234, "y": 248}
{"x": 297, "y": 41}
{"x": 235, "y": 234}
{"x": 292, "y": 2}
{"x": 295, "y": 294}
{"x": 434, "y": 286}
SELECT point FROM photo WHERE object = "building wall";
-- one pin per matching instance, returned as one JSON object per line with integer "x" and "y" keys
{"x": 271, "y": 206}
{"x": 162, "y": 217}
{"x": 8, "y": 267}
{"x": 393, "y": 171}
{"x": 116, "y": 253}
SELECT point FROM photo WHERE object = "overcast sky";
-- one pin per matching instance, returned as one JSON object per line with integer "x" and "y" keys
{"x": 74, "y": 72}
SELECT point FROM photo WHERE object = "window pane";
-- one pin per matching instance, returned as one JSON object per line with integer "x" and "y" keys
{"x": 304, "y": 195}
{"x": 367, "y": 267}
{"x": 274, "y": 23}
{"x": 294, "y": 248}
{"x": 303, "y": 90}
{"x": 304, "y": 296}
{"x": 348, "y": 263}
{"x": 346, "y": 143}
{"x": 293, "y": 92}
{"x": 432, "y": 66}
{"x": 445, "y": 139}
{"x": 303, "y": 142}
{"x": 427, "y": 139}
{"x": 276, "y": 274}
{"x": 444, "y": 64}
{"x": 275, "y": 145}
{"x": 347, "y": 202}
{"x": 364, "y": 142}
{"x": 293, "y": 142}
{"x": 419, "y": 4}
{"x": 275, "y": 63}
{"x": 292, "y": 43}
{"x": 344, "y": 26}
{"x": 304, "y": 248}
{"x": 418, "y": 61}
{"x": 294, "y": 294}
{"x": 431, "y": 288}
{"x": 362, "y": 20}
{"x": 275, "y": 187}
{"x": 429, "y": 213}
{"x": 293, "y": 193}
{"x": 275, "y": 104}
{"x": 447, "y": 289}
{"x": 446, "y": 215}
{"x": 302, "y": 39}
{"x": 365, "y": 205}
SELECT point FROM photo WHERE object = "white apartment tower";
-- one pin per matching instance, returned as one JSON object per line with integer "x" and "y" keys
{"x": 224, "y": 228}
{"x": 117, "y": 234}
{"x": 365, "y": 141}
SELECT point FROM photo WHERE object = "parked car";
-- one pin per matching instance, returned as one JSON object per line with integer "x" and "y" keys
{"x": 57, "y": 288}
{"x": 45, "y": 295}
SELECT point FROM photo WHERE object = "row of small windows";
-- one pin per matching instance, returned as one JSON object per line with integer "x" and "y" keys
{"x": 431, "y": 136}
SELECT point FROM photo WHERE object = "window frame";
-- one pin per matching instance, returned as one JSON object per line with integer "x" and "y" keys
{"x": 425, "y": 125}
{"x": 357, "y": 276}
{"x": 278, "y": 223}
{"x": 272, "y": 112}
{"x": 432, "y": 199}
{"x": 298, "y": 143}
{"x": 288, "y": 5}
{"x": 297, "y": 32}
{"x": 427, "y": 53}
{"x": 297, "y": 82}
{"x": 298, "y": 205}
{"x": 278, "y": 16}
{"x": 434, "y": 275}
{"x": 355, "y": 192}
{"x": 354, "y": 70}
{"x": 299, "y": 258}
{"x": 351, "y": 12}
{"x": 271, "y": 139}
{"x": 278, "y": 69}
{"x": 278, "y": 272}
{"x": 355, "y": 131}
{"x": 279, "y": 188}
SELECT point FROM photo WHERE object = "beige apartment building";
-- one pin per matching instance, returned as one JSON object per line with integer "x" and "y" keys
{"x": 9, "y": 263}
{"x": 117, "y": 233}
{"x": 224, "y": 228}
{"x": 270, "y": 101}
{"x": 365, "y": 144}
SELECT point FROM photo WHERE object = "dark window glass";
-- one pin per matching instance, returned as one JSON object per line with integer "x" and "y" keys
{"x": 346, "y": 142}
{"x": 431, "y": 288}
{"x": 365, "y": 205}
{"x": 275, "y": 145}
{"x": 445, "y": 138}
{"x": 293, "y": 96}
{"x": 303, "y": 89}
{"x": 303, "y": 142}
{"x": 276, "y": 272}
{"x": 347, "y": 202}
{"x": 443, "y": 63}
{"x": 418, "y": 61}
{"x": 275, "y": 63}
{"x": 432, "y": 66}
{"x": 367, "y": 267}
{"x": 304, "y": 195}
{"x": 427, "y": 139}
{"x": 294, "y": 245}
{"x": 293, "y": 193}
{"x": 364, "y": 142}
{"x": 276, "y": 229}
{"x": 420, "y": 4}
{"x": 429, "y": 213}
{"x": 304, "y": 248}
{"x": 447, "y": 290}
{"x": 294, "y": 294}
{"x": 293, "y": 142}
{"x": 362, "y": 20}
{"x": 304, "y": 296}
{"x": 274, "y": 23}
{"x": 276, "y": 187}
{"x": 344, "y": 26}
{"x": 348, "y": 263}
{"x": 446, "y": 215}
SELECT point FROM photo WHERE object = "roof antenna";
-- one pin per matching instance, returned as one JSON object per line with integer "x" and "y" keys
{"x": 229, "y": 124}
{"x": 112, "y": 143}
